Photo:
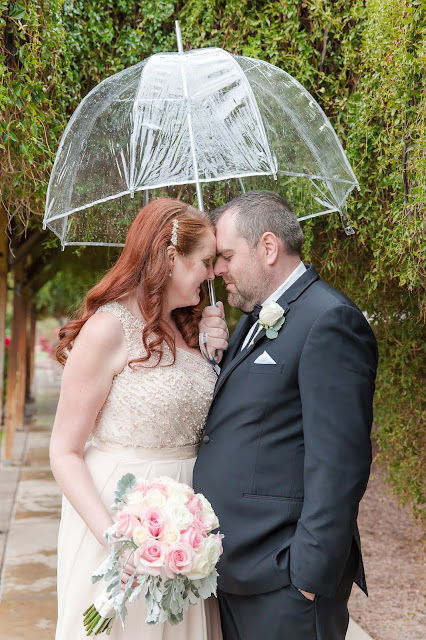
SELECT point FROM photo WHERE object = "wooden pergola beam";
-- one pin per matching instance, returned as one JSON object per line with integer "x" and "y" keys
{"x": 25, "y": 248}
{"x": 3, "y": 298}
{"x": 16, "y": 375}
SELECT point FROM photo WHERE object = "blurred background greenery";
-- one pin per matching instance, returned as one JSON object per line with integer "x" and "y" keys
{"x": 363, "y": 61}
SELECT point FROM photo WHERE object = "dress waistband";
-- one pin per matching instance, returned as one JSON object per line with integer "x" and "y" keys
{"x": 140, "y": 453}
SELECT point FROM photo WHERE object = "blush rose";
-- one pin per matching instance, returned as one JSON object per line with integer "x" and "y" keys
{"x": 125, "y": 523}
{"x": 150, "y": 557}
{"x": 179, "y": 558}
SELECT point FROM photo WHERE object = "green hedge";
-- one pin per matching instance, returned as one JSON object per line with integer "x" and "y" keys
{"x": 364, "y": 63}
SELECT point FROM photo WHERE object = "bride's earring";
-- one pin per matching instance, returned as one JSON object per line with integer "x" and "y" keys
{"x": 170, "y": 274}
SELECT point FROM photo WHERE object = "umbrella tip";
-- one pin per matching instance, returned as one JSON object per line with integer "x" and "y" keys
{"x": 178, "y": 37}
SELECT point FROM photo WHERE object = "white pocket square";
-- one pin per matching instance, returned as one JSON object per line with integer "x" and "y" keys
{"x": 264, "y": 358}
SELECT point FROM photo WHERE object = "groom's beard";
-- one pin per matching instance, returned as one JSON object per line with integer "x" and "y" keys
{"x": 251, "y": 291}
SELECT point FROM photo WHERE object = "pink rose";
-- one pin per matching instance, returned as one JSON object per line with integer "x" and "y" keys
{"x": 125, "y": 522}
{"x": 179, "y": 558}
{"x": 192, "y": 536}
{"x": 199, "y": 522}
{"x": 194, "y": 505}
{"x": 150, "y": 557}
{"x": 155, "y": 521}
{"x": 140, "y": 486}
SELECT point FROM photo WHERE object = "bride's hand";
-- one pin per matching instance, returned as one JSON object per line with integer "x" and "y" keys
{"x": 213, "y": 323}
{"x": 129, "y": 570}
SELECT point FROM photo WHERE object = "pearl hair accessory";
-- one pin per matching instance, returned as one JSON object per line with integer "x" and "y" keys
{"x": 175, "y": 228}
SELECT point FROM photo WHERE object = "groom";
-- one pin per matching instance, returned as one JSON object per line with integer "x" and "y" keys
{"x": 286, "y": 453}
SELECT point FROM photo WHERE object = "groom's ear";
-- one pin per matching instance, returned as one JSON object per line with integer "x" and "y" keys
{"x": 269, "y": 245}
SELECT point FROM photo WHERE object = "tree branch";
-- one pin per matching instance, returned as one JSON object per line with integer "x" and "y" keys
{"x": 26, "y": 247}
{"x": 405, "y": 179}
{"x": 324, "y": 48}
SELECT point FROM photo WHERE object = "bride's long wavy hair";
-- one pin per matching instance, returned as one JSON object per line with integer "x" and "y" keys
{"x": 144, "y": 267}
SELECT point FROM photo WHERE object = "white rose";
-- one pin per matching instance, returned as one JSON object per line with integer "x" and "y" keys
{"x": 179, "y": 515}
{"x": 212, "y": 548}
{"x": 270, "y": 314}
{"x": 134, "y": 497}
{"x": 180, "y": 495}
{"x": 140, "y": 534}
{"x": 201, "y": 567}
{"x": 178, "y": 491}
{"x": 206, "y": 558}
{"x": 168, "y": 482}
{"x": 170, "y": 535}
{"x": 154, "y": 498}
{"x": 209, "y": 515}
{"x": 135, "y": 502}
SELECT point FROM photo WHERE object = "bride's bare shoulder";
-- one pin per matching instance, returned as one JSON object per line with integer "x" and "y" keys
{"x": 102, "y": 334}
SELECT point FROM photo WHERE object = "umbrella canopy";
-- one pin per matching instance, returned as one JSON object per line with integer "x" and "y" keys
{"x": 184, "y": 123}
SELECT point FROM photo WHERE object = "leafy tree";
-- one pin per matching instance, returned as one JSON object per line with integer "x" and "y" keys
{"x": 362, "y": 60}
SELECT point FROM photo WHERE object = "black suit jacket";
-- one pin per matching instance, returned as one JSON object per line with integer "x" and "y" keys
{"x": 287, "y": 449}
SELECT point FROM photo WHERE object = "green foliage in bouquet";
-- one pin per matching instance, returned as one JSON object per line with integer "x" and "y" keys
{"x": 362, "y": 60}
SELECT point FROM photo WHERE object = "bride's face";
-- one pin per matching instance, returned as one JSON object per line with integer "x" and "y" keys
{"x": 189, "y": 272}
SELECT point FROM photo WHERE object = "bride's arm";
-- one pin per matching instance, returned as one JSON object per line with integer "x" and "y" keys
{"x": 99, "y": 353}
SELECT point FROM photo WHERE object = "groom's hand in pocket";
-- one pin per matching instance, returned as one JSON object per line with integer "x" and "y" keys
{"x": 308, "y": 596}
{"x": 213, "y": 323}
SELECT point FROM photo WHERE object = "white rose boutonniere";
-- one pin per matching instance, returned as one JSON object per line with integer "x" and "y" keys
{"x": 271, "y": 318}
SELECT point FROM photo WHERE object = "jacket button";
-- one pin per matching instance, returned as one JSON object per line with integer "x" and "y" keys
{"x": 206, "y": 439}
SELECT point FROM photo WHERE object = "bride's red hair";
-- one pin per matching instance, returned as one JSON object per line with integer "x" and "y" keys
{"x": 144, "y": 266}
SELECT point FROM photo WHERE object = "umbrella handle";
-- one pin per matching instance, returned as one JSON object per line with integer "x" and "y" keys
{"x": 212, "y": 293}
{"x": 203, "y": 336}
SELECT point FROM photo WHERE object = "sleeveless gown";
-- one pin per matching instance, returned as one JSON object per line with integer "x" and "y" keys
{"x": 150, "y": 425}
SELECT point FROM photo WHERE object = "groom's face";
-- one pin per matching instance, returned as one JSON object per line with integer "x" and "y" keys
{"x": 240, "y": 265}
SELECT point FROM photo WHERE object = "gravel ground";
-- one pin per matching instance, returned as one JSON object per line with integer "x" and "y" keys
{"x": 394, "y": 558}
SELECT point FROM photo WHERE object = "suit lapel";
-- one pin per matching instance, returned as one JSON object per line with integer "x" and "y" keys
{"x": 239, "y": 357}
{"x": 236, "y": 356}
{"x": 237, "y": 338}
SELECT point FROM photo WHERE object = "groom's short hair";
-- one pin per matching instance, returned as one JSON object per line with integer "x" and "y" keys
{"x": 260, "y": 211}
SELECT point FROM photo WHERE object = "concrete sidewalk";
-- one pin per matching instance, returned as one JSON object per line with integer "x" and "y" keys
{"x": 29, "y": 519}
{"x": 29, "y": 522}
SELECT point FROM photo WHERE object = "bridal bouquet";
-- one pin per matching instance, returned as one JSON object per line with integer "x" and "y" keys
{"x": 166, "y": 528}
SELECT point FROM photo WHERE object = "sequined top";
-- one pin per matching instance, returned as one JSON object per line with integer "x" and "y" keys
{"x": 154, "y": 407}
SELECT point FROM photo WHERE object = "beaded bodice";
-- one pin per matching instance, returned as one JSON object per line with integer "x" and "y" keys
{"x": 153, "y": 407}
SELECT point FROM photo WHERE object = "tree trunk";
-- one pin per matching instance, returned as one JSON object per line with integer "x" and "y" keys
{"x": 22, "y": 359}
{"x": 16, "y": 377}
{"x": 31, "y": 352}
{"x": 3, "y": 299}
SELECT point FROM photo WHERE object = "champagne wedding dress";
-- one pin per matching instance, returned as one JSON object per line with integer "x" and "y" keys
{"x": 150, "y": 425}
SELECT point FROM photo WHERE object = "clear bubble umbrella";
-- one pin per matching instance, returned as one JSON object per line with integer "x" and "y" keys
{"x": 202, "y": 125}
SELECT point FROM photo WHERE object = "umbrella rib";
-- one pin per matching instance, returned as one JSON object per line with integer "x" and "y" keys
{"x": 314, "y": 177}
{"x": 191, "y": 138}
{"x": 133, "y": 137}
{"x": 315, "y": 215}
{"x": 252, "y": 99}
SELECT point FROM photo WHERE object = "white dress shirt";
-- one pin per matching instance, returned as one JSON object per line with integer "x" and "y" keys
{"x": 295, "y": 275}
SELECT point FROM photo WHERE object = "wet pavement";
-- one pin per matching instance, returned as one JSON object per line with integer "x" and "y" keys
{"x": 30, "y": 504}
{"x": 29, "y": 521}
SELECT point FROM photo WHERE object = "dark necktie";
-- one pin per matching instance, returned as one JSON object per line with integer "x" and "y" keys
{"x": 254, "y": 315}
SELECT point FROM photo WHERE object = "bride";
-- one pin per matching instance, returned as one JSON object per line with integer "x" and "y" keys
{"x": 135, "y": 380}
